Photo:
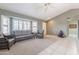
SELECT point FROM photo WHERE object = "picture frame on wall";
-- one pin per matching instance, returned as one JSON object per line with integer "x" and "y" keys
{"x": 72, "y": 26}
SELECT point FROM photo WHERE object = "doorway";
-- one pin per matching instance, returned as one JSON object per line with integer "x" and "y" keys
{"x": 73, "y": 28}
{"x": 44, "y": 27}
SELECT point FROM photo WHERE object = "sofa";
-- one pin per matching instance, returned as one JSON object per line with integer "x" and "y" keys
{"x": 23, "y": 35}
{"x": 6, "y": 41}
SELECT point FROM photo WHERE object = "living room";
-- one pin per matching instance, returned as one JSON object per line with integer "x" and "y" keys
{"x": 24, "y": 30}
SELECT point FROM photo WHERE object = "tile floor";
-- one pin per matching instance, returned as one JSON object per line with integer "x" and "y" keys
{"x": 64, "y": 46}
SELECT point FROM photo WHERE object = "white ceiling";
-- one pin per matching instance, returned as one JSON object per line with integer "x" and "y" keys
{"x": 38, "y": 10}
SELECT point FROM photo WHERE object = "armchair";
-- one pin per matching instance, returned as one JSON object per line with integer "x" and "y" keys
{"x": 6, "y": 41}
{"x": 40, "y": 34}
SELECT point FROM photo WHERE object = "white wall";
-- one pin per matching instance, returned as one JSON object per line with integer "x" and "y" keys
{"x": 60, "y": 22}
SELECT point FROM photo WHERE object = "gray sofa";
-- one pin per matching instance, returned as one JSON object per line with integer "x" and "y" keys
{"x": 23, "y": 35}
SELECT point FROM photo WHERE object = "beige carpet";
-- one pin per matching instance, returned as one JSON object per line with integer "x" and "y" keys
{"x": 50, "y": 45}
{"x": 29, "y": 47}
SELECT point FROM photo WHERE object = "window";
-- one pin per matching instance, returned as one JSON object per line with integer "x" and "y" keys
{"x": 5, "y": 24}
{"x": 28, "y": 26}
{"x": 34, "y": 26}
{"x": 15, "y": 24}
{"x": 24, "y": 25}
{"x": 20, "y": 25}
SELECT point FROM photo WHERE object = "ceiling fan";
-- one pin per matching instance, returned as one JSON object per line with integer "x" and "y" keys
{"x": 46, "y": 4}
{"x": 44, "y": 7}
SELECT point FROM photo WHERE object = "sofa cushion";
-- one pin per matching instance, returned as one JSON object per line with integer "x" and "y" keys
{"x": 24, "y": 36}
{"x": 27, "y": 32}
{"x": 17, "y": 33}
{"x": 10, "y": 40}
{"x": 28, "y": 35}
{"x": 23, "y": 32}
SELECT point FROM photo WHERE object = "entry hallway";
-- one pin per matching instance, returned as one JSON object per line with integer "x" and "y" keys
{"x": 50, "y": 45}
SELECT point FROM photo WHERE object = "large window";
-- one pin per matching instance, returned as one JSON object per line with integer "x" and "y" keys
{"x": 19, "y": 24}
{"x": 13, "y": 24}
{"x": 34, "y": 26}
{"x": 5, "y": 22}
